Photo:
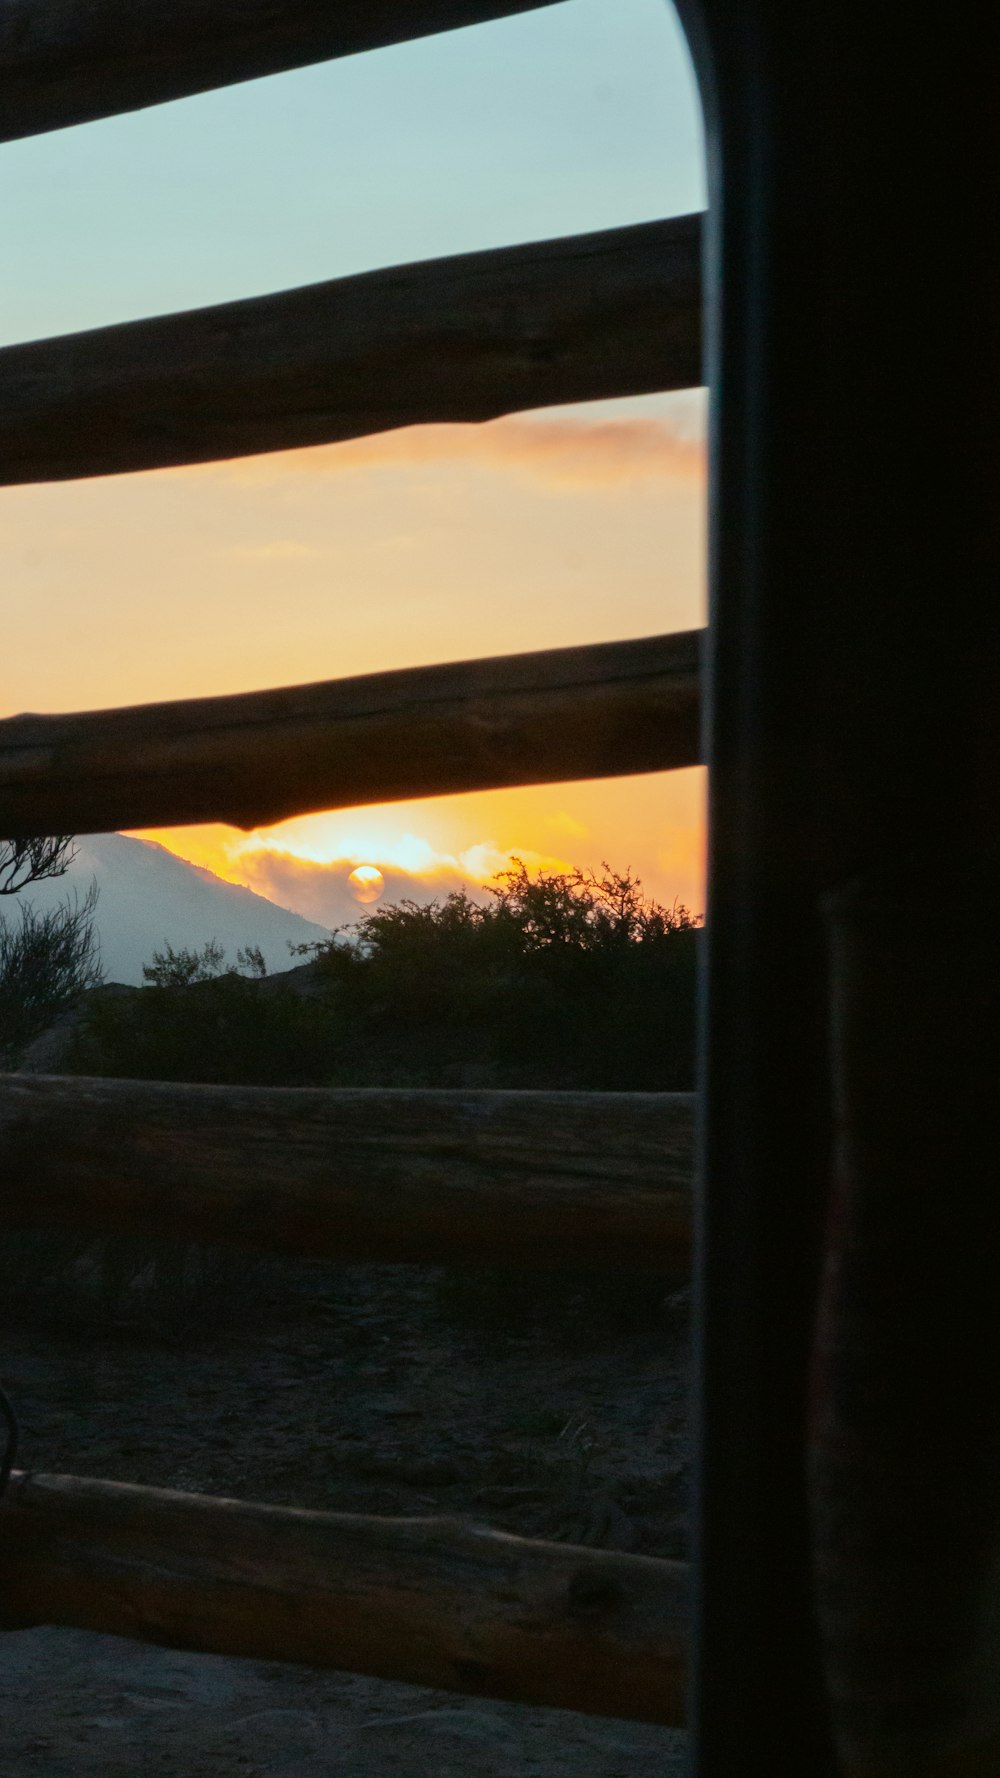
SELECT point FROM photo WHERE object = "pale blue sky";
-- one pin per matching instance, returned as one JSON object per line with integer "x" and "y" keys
{"x": 581, "y": 116}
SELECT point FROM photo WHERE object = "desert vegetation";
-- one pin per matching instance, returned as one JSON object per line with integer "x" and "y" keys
{"x": 48, "y": 958}
{"x": 571, "y": 980}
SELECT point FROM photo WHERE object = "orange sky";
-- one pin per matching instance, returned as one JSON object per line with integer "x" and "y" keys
{"x": 436, "y": 543}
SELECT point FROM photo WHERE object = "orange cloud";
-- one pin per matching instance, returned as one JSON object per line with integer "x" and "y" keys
{"x": 322, "y": 890}
{"x": 301, "y": 868}
{"x": 563, "y": 453}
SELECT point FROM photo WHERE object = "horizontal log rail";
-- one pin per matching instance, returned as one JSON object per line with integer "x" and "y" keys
{"x": 428, "y": 1601}
{"x": 259, "y": 757}
{"x": 70, "y": 61}
{"x": 534, "y": 1179}
{"x": 461, "y": 339}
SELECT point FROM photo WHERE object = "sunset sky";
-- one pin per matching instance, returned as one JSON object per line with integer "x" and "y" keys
{"x": 439, "y": 543}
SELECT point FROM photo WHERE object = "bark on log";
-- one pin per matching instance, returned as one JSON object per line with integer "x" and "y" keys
{"x": 259, "y": 757}
{"x": 541, "y": 1180}
{"x": 428, "y": 1601}
{"x": 461, "y": 339}
{"x": 69, "y": 61}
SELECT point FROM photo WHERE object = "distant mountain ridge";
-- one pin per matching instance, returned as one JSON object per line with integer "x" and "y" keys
{"x": 149, "y": 898}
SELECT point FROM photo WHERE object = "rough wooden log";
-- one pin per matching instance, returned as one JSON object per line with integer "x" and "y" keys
{"x": 429, "y": 1601}
{"x": 69, "y": 61}
{"x": 259, "y": 757}
{"x": 461, "y": 339}
{"x": 541, "y": 1180}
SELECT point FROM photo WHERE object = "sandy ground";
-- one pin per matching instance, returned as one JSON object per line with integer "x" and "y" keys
{"x": 368, "y": 1390}
{"x": 82, "y": 1706}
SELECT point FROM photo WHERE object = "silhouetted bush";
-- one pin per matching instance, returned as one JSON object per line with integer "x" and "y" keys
{"x": 562, "y": 980}
{"x": 48, "y": 960}
{"x": 199, "y": 1022}
{"x": 570, "y": 980}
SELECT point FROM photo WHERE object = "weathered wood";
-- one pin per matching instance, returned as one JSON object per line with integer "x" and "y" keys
{"x": 429, "y": 1601}
{"x": 461, "y": 339}
{"x": 541, "y": 1180}
{"x": 259, "y": 757}
{"x": 69, "y": 61}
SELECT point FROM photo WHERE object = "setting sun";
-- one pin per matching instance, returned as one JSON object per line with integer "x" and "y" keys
{"x": 366, "y": 884}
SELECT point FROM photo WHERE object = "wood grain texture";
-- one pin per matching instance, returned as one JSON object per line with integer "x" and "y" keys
{"x": 256, "y": 758}
{"x": 535, "y": 1179}
{"x": 429, "y": 1601}
{"x": 461, "y": 339}
{"x": 69, "y": 61}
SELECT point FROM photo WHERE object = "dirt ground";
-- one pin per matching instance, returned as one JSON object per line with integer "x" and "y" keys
{"x": 377, "y": 1390}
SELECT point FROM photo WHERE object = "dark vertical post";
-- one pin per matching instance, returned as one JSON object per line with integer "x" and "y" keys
{"x": 852, "y": 331}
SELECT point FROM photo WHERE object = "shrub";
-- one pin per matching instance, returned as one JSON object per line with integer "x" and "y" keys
{"x": 196, "y": 1021}
{"x": 572, "y": 980}
{"x": 48, "y": 959}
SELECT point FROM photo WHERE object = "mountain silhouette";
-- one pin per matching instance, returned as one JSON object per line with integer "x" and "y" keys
{"x": 149, "y": 897}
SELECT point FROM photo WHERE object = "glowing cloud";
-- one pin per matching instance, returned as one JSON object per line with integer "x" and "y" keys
{"x": 321, "y": 868}
{"x": 564, "y": 453}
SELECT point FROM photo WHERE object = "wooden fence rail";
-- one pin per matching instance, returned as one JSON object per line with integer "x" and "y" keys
{"x": 429, "y": 1601}
{"x": 69, "y": 61}
{"x": 460, "y": 339}
{"x": 542, "y": 1180}
{"x": 259, "y": 757}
